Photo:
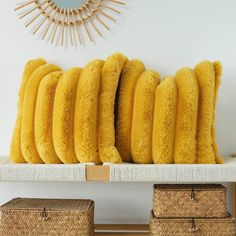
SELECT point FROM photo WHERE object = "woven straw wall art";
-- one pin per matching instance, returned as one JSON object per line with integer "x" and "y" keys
{"x": 68, "y": 22}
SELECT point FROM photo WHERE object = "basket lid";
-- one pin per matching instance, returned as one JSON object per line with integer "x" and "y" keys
{"x": 228, "y": 218}
{"x": 53, "y": 204}
{"x": 184, "y": 187}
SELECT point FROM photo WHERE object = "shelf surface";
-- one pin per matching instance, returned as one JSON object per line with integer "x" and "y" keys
{"x": 126, "y": 172}
{"x": 40, "y": 172}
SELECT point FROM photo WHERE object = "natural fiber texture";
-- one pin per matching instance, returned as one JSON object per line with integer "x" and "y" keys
{"x": 86, "y": 106}
{"x": 106, "y": 131}
{"x": 28, "y": 145}
{"x": 205, "y": 74}
{"x": 130, "y": 75}
{"x": 44, "y": 117}
{"x": 141, "y": 136}
{"x": 63, "y": 116}
{"x": 186, "y": 121}
{"x": 15, "y": 149}
{"x": 47, "y": 217}
{"x": 170, "y": 173}
{"x": 163, "y": 135}
{"x": 218, "y": 73}
{"x": 189, "y": 201}
{"x": 10, "y": 172}
{"x": 190, "y": 227}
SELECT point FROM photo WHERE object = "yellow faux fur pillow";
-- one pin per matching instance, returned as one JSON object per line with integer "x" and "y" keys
{"x": 208, "y": 87}
{"x": 15, "y": 149}
{"x": 218, "y": 73}
{"x": 163, "y": 135}
{"x": 106, "y": 131}
{"x": 28, "y": 145}
{"x": 142, "y": 124}
{"x": 86, "y": 109}
{"x": 63, "y": 116}
{"x": 186, "y": 121}
{"x": 44, "y": 118}
{"x": 130, "y": 75}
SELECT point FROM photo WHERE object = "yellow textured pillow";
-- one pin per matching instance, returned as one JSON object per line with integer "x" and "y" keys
{"x": 218, "y": 73}
{"x": 28, "y": 145}
{"x": 44, "y": 116}
{"x": 186, "y": 121}
{"x": 163, "y": 135}
{"x": 206, "y": 81}
{"x": 63, "y": 116}
{"x": 130, "y": 75}
{"x": 208, "y": 87}
{"x": 142, "y": 124}
{"x": 86, "y": 107}
{"x": 15, "y": 149}
{"x": 106, "y": 131}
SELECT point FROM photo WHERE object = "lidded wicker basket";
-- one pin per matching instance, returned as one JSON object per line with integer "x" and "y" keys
{"x": 185, "y": 200}
{"x": 192, "y": 227}
{"x": 22, "y": 216}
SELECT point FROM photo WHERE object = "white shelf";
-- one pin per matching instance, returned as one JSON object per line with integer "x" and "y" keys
{"x": 173, "y": 173}
{"x": 120, "y": 172}
{"x": 40, "y": 172}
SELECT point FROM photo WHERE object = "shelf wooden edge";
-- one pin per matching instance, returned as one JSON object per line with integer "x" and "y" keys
{"x": 134, "y": 227}
{"x": 97, "y": 173}
{"x": 121, "y": 234}
{"x": 121, "y": 229}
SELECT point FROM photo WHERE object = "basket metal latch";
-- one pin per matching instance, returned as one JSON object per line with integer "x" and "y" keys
{"x": 192, "y": 196}
{"x": 193, "y": 228}
{"x": 44, "y": 214}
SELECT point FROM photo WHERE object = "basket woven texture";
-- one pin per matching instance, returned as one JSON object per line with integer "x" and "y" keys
{"x": 189, "y": 201}
{"x": 47, "y": 217}
{"x": 190, "y": 227}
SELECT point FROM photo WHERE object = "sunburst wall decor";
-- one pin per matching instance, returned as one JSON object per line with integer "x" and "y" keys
{"x": 65, "y": 22}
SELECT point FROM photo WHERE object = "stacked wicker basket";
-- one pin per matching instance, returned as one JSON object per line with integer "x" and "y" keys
{"x": 190, "y": 210}
{"x": 22, "y": 216}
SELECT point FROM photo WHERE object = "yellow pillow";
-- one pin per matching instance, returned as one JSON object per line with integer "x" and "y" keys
{"x": 106, "y": 131}
{"x": 44, "y": 116}
{"x": 141, "y": 136}
{"x": 15, "y": 149}
{"x": 163, "y": 135}
{"x": 28, "y": 145}
{"x": 86, "y": 108}
{"x": 218, "y": 73}
{"x": 206, "y": 81}
{"x": 130, "y": 75}
{"x": 186, "y": 121}
{"x": 208, "y": 87}
{"x": 63, "y": 116}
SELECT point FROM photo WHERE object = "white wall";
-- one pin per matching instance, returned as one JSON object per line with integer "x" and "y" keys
{"x": 166, "y": 35}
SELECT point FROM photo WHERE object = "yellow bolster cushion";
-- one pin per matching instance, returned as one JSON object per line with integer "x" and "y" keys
{"x": 86, "y": 106}
{"x": 218, "y": 74}
{"x": 106, "y": 131}
{"x": 28, "y": 144}
{"x": 15, "y": 148}
{"x": 44, "y": 116}
{"x": 186, "y": 120}
{"x": 206, "y": 82}
{"x": 130, "y": 75}
{"x": 63, "y": 116}
{"x": 163, "y": 134}
{"x": 142, "y": 124}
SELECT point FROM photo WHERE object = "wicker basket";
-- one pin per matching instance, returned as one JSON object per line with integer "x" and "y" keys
{"x": 47, "y": 217}
{"x": 189, "y": 201}
{"x": 194, "y": 226}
